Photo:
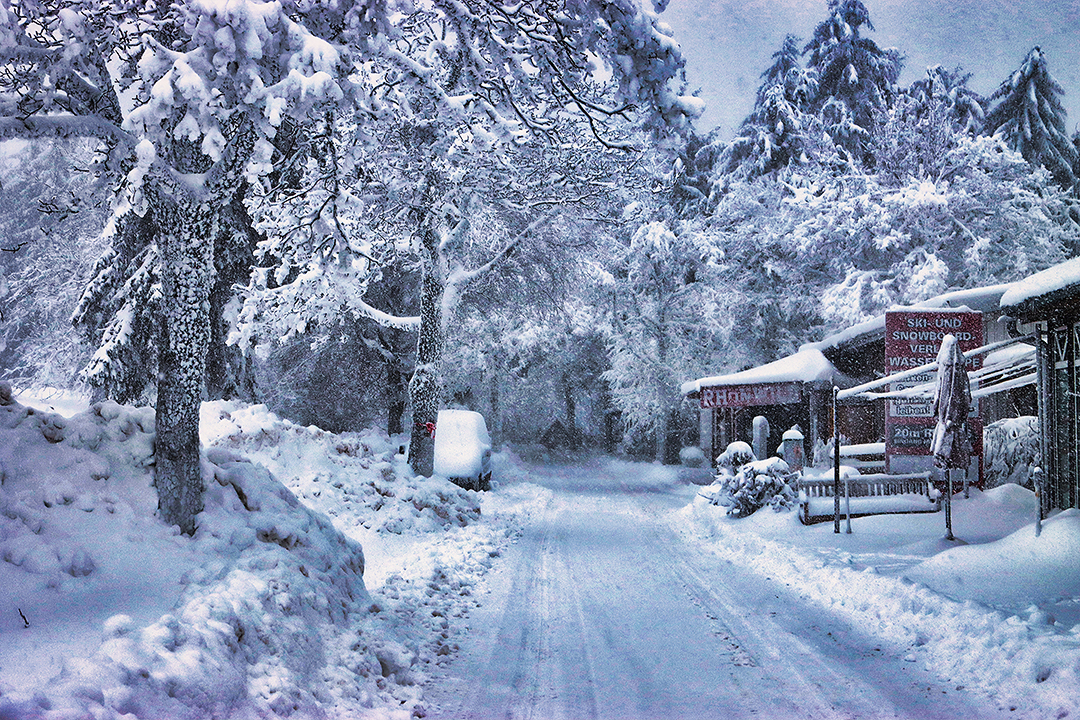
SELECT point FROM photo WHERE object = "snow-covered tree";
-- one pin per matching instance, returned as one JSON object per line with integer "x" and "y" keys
{"x": 852, "y": 70}
{"x": 800, "y": 84}
{"x": 773, "y": 137}
{"x": 206, "y": 87}
{"x": 1029, "y": 115}
{"x": 48, "y": 243}
{"x": 657, "y": 335}
{"x": 941, "y": 86}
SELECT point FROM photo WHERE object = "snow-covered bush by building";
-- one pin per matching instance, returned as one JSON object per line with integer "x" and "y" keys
{"x": 734, "y": 457}
{"x": 1012, "y": 453}
{"x": 755, "y": 485}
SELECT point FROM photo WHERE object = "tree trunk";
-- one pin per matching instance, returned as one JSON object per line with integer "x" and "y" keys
{"x": 495, "y": 375}
{"x": 228, "y": 372}
{"x": 571, "y": 411}
{"x": 187, "y": 267}
{"x": 188, "y": 225}
{"x": 395, "y": 411}
{"x": 426, "y": 385}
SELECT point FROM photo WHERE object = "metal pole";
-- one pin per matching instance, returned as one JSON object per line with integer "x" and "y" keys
{"x": 836, "y": 460}
{"x": 948, "y": 507}
{"x": 1046, "y": 461}
{"x": 1038, "y": 501}
{"x": 847, "y": 504}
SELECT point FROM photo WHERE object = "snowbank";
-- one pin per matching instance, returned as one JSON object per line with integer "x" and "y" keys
{"x": 266, "y": 611}
{"x": 110, "y": 613}
{"x": 998, "y": 614}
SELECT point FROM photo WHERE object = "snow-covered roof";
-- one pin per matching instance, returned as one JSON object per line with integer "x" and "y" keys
{"x": 982, "y": 299}
{"x": 807, "y": 365}
{"x": 1043, "y": 288}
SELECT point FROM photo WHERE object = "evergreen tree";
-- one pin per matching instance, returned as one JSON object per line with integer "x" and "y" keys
{"x": 949, "y": 88}
{"x": 1030, "y": 117}
{"x": 787, "y": 71}
{"x": 775, "y": 133}
{"x": 773, "y": 137}
{"x": 851, "y": 68}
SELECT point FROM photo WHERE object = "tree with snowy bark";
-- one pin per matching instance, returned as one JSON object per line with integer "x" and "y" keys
{"x": 1029, "y": 115}
{"x": 205, "y": 87}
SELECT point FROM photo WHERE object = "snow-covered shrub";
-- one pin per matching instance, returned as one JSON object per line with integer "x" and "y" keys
{"x": 692, "y": 457}
{"x": 755, "y": 485}
{"x": 357, "y": 479}
{"x": 1012, "y": 453}
{"x": 734, "y": 457}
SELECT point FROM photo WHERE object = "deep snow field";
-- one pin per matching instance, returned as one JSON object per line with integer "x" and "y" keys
{"x": 327, "y": 581}
{"x": 329, "y": 593}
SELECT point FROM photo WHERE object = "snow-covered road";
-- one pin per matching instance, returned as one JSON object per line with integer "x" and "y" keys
{"x": 601, "y": 610}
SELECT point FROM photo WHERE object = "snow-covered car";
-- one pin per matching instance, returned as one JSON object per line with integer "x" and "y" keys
{"x": 463, "y": 449}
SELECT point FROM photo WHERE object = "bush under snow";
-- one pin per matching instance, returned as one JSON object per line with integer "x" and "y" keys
{"x": 753, "y": 486}
{"x": 1012, "y": 451}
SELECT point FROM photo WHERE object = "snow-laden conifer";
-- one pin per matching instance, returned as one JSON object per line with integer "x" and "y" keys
{"x": 1029, "y": 115}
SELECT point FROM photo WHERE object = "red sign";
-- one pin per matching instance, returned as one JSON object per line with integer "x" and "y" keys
{"x": 912, "y": 339}
{"x": 734, "y": 396}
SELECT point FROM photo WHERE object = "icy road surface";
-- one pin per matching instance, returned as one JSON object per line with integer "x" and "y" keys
{"x": 601, "y": 611}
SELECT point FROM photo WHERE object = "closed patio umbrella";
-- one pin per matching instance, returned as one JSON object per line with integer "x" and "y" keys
{"x": 951, "y": 446}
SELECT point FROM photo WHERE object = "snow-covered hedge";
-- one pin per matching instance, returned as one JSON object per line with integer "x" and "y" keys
{"x": 755, "y": 485}
{"x": 1012, "y": 453}
{"x": 355, "y": 478}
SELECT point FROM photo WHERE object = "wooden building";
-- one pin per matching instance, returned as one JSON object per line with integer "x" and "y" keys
{"x": 798, "y": 389}
{"x": 795, "y": 390}
{"x": 1047, "y": 305}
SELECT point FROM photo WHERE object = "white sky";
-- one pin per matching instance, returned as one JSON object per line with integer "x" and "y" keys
{"x": 728, "y": 43}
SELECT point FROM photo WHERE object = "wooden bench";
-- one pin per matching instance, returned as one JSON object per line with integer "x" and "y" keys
{"x": 868, "y": 456}
{"x": 873, "y": 494}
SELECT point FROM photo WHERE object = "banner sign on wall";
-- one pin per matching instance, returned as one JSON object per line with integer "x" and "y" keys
{"x": 753, "y": 395}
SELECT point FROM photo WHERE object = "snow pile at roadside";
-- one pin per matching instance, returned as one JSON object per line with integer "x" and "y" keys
{"x": 355, "y": 478}
{"x": 425, "y": 548}
{"x": 262, "y": 613}
{"x": 1025, "y": 660}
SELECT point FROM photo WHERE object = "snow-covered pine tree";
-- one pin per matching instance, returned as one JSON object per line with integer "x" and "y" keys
{"x": 773, "y": 137}
{"x": 852, "y": 70}
{"x": 1029, "y": 115}
{"x": 787, "y": 70}
{"x": 949, "y": 88}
